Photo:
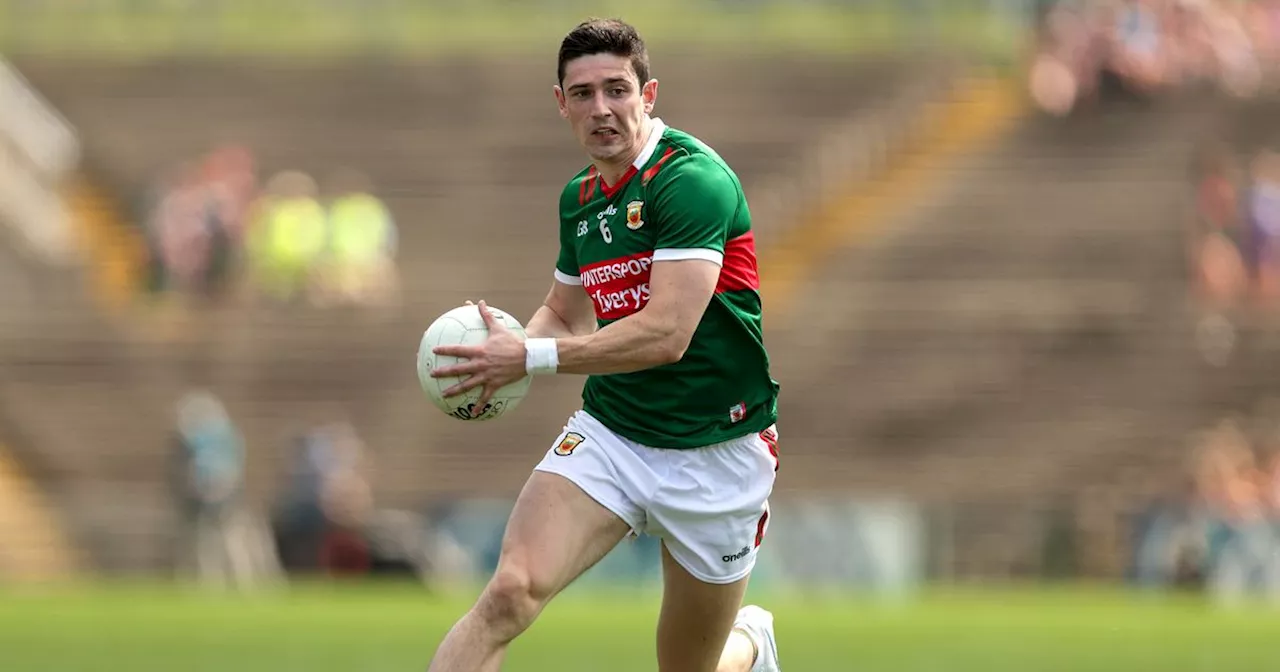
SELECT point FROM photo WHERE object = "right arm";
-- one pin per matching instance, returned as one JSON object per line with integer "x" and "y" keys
{"x": 567, "y": 311}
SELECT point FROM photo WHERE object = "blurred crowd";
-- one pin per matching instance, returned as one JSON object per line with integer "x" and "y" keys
{"x": 1223, "y": 533}
{"x": 1234, "y": 244}
{"x": 324, "y": 522}
{"x": 215, "y": 233}
{"x": 1235, "y": 240}
{"x": 1150, "y": 46}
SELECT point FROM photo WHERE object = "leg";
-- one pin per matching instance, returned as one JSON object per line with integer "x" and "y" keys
{"x": 556, "y": 532}
{"x": 239, "y": 548}
{"x": 713, "y": 514}
{"x": 696, "y": 621}
{"x": 209, "y": 559}
{"x": 739, "y": 653}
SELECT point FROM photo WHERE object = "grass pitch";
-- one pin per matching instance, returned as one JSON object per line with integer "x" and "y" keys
{"x": 371, "y": 629}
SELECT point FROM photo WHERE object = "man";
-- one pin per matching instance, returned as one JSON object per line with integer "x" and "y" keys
{"x": 655, "y": 299}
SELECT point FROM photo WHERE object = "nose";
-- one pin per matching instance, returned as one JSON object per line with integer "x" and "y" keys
{"x": 600, "y": 106}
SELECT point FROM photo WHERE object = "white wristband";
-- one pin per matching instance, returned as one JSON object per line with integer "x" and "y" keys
{"x": 541, "y": 356}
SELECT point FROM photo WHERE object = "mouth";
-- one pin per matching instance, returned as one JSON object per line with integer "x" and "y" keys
{"x": 605, "y": 133}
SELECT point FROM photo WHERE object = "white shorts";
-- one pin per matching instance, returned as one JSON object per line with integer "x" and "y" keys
{"x": 709, "y": 505}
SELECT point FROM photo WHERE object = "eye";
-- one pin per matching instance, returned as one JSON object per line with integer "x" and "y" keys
{"x": 618, "y": 91}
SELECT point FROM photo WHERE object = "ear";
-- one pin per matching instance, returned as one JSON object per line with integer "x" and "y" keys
{"x": 560, "y": 101}
{"x": 649, "y": 93}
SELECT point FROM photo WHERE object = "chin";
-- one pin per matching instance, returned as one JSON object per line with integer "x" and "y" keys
{"x": 604, "y": 152}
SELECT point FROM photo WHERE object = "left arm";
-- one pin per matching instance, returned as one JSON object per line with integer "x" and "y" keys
{"x": 658, "y": 334}
{"x": 565, "y": 312}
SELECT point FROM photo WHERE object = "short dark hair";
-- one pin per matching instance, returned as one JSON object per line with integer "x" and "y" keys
{"x": 604, "y": 36}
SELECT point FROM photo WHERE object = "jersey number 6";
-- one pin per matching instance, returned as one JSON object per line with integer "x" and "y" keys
{"x": 605, "y": 232}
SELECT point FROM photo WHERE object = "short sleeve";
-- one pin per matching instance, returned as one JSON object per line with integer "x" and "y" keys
{"x": 567, "y": 263}
{"x": 567, "y": 269}
{"x": 694, "y": 209}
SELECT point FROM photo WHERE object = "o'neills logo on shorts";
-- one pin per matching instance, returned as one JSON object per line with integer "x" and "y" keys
{"x": 619, "y": 287}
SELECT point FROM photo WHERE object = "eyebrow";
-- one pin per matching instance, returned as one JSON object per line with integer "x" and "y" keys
{"x": 607, "y": 82}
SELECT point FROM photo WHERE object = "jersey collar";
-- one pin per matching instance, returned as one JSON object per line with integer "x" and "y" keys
{"x": 651, "y": 145}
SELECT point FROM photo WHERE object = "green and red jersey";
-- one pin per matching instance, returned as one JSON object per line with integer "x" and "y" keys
{"x": 678, "y": 201}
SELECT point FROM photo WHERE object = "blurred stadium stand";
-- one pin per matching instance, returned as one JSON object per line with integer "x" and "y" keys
{"x": 1006, "y": 349}
{"x": 438, "y": 159}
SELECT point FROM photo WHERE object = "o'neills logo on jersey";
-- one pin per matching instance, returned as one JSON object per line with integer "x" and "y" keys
{"x": 619, "y": 287}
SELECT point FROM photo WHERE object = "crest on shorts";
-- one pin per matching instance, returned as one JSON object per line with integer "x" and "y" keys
{"x": 633, "y": 215}
{"x": 569, "y": 443}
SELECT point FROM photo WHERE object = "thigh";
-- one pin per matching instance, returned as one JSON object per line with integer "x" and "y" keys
{"x": 604, "y": 466}
{"x": 696, "y": 618}
{"x": 555, "y": 533}
{"x": 573, "y": 510}
{"x": 712, "y": 512}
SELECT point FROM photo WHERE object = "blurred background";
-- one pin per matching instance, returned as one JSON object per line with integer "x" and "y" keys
{"x": 1022, "y": 296}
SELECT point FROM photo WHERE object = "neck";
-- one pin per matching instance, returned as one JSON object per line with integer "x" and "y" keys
{"x": 613, "y": 170}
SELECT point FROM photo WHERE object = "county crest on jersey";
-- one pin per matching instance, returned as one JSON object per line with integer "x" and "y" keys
{"x": 678, "y": 201}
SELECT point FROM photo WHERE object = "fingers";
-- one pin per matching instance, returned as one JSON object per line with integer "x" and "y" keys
{"x": 490, "y": 320}
{"x": 459, "y": 351}
{"x": 474, "y": 367}
{"x": 458, "y": 370}
{"x": 487, "y": 394}
{"x": 463, "y": 386}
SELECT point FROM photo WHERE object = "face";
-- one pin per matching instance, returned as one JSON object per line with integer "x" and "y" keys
{"x": 606, "y": 104}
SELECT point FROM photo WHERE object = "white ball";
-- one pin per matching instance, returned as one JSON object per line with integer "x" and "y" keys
{"x": 465, "y": 326}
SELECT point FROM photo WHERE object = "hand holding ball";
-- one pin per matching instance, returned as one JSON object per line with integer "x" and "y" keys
{"x": 471, "y": 362}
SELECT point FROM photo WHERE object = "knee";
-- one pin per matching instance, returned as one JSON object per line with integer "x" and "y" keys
{"x": 512, "y": 600}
